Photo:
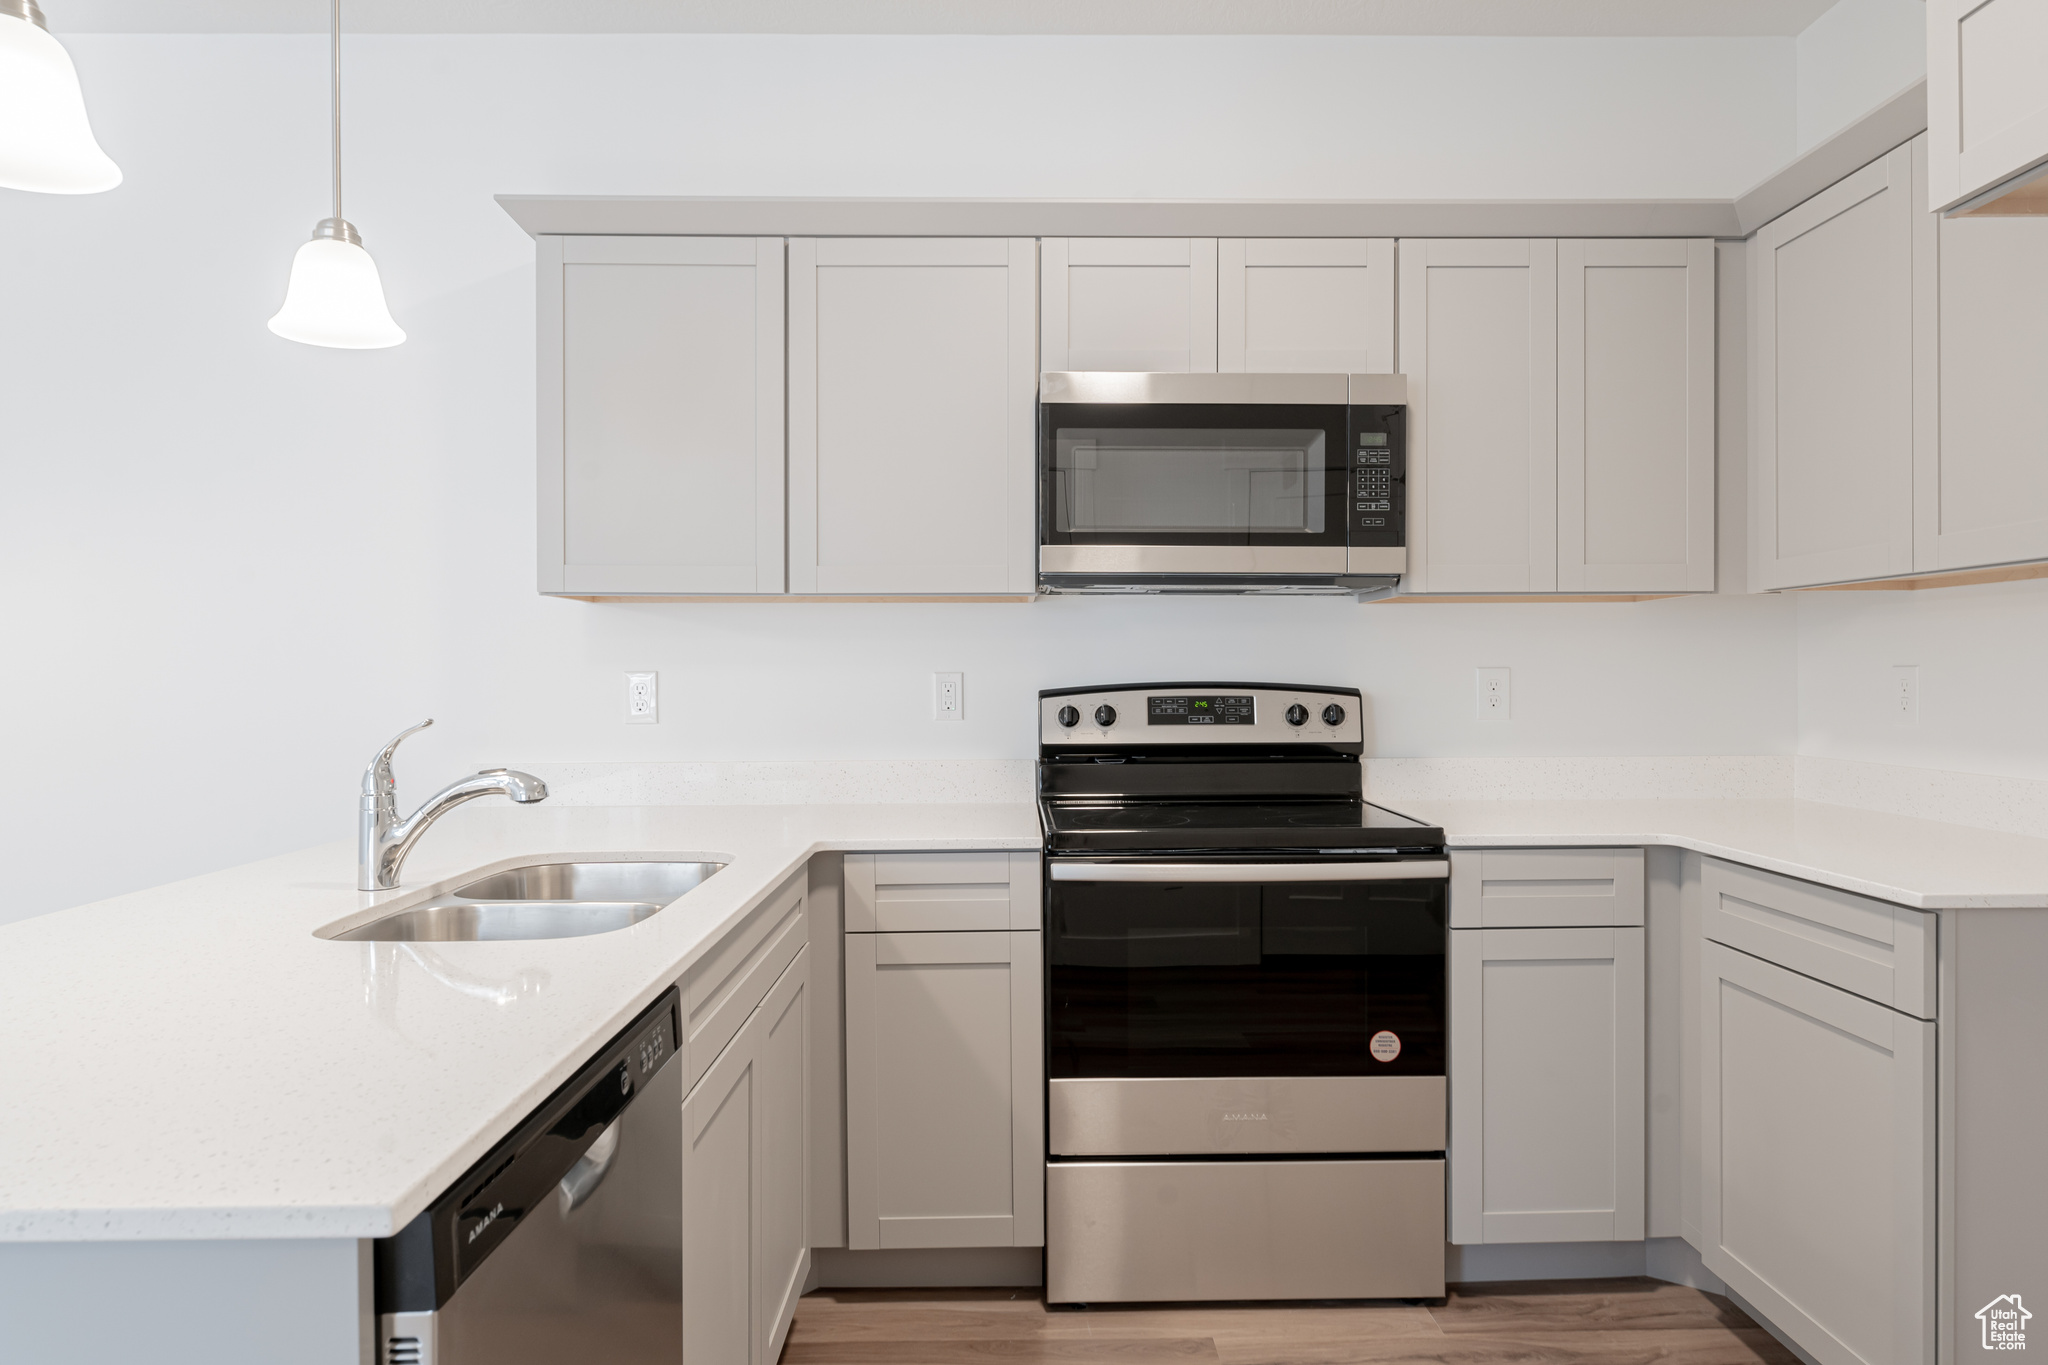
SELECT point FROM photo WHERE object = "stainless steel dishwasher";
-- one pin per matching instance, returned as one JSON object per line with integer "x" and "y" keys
{"x": 564, "y": 1243}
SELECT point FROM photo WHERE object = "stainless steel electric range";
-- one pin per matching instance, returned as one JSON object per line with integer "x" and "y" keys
{"x": 1245, "y": 1002}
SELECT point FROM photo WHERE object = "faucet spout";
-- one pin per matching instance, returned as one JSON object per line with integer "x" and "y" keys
{"x": 383, "y": 840}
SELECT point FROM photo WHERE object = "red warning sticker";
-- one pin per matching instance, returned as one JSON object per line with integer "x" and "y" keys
{"x": 1385, "y": 1046}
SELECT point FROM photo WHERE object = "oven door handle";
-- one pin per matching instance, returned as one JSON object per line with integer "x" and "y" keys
{"x": 1414, "y": 870}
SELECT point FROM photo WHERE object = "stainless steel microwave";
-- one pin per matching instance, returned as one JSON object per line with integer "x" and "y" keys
{"x": 1234, "y": 483}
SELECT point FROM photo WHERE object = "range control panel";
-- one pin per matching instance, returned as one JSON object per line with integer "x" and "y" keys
{"x": 1196, "y": 709}
{"x": 1197, "y": 713}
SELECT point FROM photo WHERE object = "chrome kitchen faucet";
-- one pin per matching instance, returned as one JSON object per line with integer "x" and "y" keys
{"x": 383, "y": 840}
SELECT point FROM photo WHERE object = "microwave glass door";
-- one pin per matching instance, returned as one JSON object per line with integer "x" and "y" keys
{"x": 1230, "y": 979}
{"x": 1194, "y": 474}
{"x": 1162, "y": 480}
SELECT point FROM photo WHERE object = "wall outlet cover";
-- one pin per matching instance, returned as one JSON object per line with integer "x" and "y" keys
{"x": 1905, "y": 695}
{"x": 642, "y": 699}
{"x": 948, "y": 701}
{"x": 1494, "y": 696}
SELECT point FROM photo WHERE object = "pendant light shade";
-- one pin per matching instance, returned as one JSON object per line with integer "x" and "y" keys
{"x": 335, "y": 297}
{"x": 46, "y": 144}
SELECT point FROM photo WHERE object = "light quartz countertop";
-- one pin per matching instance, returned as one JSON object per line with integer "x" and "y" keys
{"x": 190, "y": 1062}
{"x": 1922, "y": 863}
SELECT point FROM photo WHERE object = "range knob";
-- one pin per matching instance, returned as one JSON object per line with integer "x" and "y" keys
{"x": 1333, "y": 714}
{"x": 1297, "y": 714}
{"x": 1069, "y": 717}
{"x": 1105, "y": 715}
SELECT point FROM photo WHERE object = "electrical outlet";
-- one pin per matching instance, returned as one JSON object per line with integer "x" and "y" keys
{"x": 1494, "y": 695}
{"x": 641, "y": 699}
{"x": 1905, "y": 703}
{"x": 947, "y": 703}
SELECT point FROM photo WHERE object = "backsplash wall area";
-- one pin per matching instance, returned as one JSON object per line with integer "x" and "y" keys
{"x": 241, "y": 564}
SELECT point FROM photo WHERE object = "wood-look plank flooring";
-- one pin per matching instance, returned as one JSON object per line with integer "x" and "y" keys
{"x": 1597, "y": 1322}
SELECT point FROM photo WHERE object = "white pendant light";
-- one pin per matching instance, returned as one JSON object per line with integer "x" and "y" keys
{"x": 334, "y": 297}
{"x": 46, "y": 143}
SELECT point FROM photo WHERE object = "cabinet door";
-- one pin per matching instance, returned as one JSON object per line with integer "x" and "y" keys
{"x": 1305, "y": 305}
{"x": 1478, "y": 327}
{"x": 1987, "y": 94}
{"x": 661, "y": 434}
{"x": 945, "y": 1072}
{"x": 1980, "y": 334}
{"x": 722, "y": 1207}
{"x": 911, "y": 407}
{"x": 1546, "y": 1085}
{"x": 1129, "y": 303}
{"x": 784, "y": 1244}
{"x": 1635, "y": 416}
{"x": 1817, "y": 1148}
{"x": 1831, "y": 388}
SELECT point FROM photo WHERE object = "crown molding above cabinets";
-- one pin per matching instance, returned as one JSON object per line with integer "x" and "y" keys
{"x": 686, "y": 216}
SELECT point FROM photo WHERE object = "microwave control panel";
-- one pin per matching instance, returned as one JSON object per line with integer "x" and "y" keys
{"x": 1376, "y": 502}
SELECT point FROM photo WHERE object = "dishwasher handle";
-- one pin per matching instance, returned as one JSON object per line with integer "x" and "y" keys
{"x": 1410, "y": 870}
{"x": 590, "y": 1169}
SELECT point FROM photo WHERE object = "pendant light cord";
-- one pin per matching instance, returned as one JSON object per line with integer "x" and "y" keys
{"x": 334, "y": 49}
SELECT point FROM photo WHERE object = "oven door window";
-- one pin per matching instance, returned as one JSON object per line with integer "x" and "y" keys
{"x": 1208, "y": 979}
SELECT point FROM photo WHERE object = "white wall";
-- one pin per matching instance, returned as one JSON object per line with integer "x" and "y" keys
{"x": 1854, "y": 58}
{"x": 1982, "y": 655}
{"x": 238, "y": 564}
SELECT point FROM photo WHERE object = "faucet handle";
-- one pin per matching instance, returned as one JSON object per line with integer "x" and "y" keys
{"x": 377, "y": 778}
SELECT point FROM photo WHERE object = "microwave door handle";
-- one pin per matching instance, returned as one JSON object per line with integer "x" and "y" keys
{"x": 1419, "y": 869}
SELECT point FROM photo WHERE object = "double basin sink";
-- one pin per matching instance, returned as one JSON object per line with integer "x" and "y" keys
{"x": 551, "y": 900}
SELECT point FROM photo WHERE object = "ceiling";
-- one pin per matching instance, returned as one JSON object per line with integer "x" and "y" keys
{"x": 1499, "y": 18}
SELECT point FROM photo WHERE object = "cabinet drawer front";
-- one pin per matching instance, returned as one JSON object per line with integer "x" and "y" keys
{"x": 936, "y": 892}
{"x": 723, "y": 989}
{"x": 1162, "y": 1231}
{"x": 1541, "y": 888}
{"x": 1877, "y": 950}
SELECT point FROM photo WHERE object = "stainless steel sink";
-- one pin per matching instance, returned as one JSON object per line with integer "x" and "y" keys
{"x": 553, "y": 900}
{"x": 661, "y": 883}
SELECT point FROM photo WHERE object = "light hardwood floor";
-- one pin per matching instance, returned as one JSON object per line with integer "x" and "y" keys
{"x": 1599, "y": 1322}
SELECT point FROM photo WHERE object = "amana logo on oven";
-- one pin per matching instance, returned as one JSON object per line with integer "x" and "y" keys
{"x": 1243, "y": 1116}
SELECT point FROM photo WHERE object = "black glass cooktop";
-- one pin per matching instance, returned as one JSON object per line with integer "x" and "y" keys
{"x": 1154, "y": 826}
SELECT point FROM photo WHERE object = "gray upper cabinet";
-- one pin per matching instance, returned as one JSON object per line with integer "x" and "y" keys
{"x": 1987, "y": 95}
{"x": 1635, "y": 416}
{"x": 1305, "y": 305}
{"x": 1478, "y": 328}
{"x": 1129, "y": 303}
{"x": 1831, "y": 392}
{"x": 912, "y": 380}
{"x": 1980, "y": 371}
{"x": 661, "y": 429}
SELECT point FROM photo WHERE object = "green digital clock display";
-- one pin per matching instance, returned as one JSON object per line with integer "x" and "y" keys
{"x": 1185, "y": 710}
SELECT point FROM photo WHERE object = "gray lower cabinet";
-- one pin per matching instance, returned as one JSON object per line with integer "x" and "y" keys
{"x": 1818, "y": 1112}
{"x": 945, "y": 1073}
{"x": 1547, "y": 1036}
{"x": 746, "y": 1126}
{"x": 1547, "y": 1085}
{"x": 1818, "y": 1147}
